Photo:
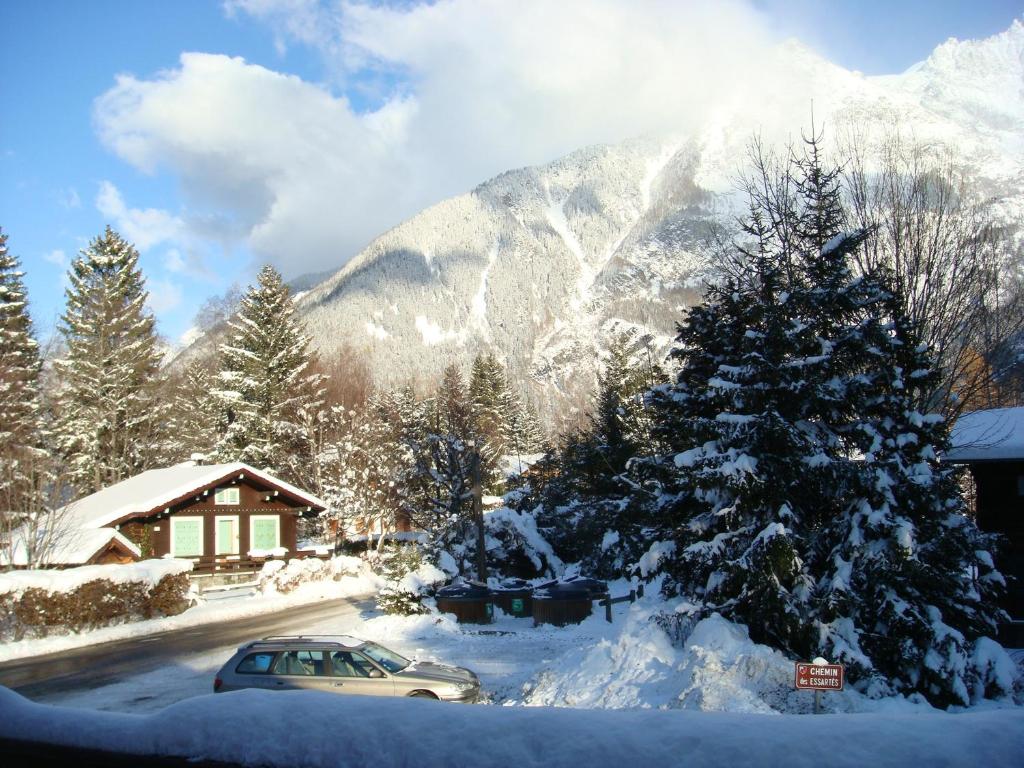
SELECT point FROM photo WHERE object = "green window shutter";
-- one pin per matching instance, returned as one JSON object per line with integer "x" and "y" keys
{"x": 264, "y": 533}
{"x": 188, "y": 538}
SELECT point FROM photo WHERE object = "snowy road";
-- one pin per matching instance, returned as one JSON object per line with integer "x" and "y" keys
{"x": 146, "y": 673}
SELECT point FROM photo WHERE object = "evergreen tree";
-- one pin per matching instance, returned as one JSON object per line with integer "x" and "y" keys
{"x": 22, "y": 457}
{"x": 487, "y": 399}
{"x": 195, "y": 414}
{"x": 453, "y": 407}
{"x": 265, "y": 381}
{"x": 907, "y": 580}
{"x": 804, "y": 493}
{"x": 110, "y": 420}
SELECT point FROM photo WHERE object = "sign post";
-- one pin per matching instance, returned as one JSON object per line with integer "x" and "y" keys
{"x": 819, "y": 676}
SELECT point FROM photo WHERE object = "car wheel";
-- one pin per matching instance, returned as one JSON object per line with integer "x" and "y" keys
{"x": 422, "y": 695}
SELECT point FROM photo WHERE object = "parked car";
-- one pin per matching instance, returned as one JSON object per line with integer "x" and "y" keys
{"x": 341, "y": 664}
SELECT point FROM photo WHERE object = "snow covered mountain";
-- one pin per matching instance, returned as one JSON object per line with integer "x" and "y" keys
{"x": 540, "y": 265}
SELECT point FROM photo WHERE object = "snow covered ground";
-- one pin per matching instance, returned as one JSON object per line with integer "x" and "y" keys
{"x": 719, "y": 699}
{"x": 626, "y": 664}
{"x": 218, "y": 608}
{"x": 309, "y": 728}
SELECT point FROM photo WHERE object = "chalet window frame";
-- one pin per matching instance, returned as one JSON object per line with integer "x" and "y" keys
{"x": 176, "y": 521}
{"x": 221, "y": 496}
{"x": 252, "y": 531}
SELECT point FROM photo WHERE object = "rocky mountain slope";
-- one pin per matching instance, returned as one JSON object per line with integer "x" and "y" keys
{"x": 541, "y": 265}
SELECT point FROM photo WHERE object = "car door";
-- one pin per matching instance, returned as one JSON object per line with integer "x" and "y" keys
{"x": 299, "y": 670}
{"x": 354, "y": 673}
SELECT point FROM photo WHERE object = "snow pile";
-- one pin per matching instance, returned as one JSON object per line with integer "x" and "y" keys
{"x": 718, "y": 668}
{"x": 515, "y": 546}
{"x": 722, "y": 670}
{"x": 247, "y": 727}
{"x": 634, "y": 669}
{"x": 148, "y": 572}
{"x": 278, "y": 576}
{"x": 422, "y": 580}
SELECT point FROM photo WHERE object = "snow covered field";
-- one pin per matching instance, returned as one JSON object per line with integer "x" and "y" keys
{"x": 738, "y": 702}
{"x": 309, "y": 728}
{"x": 629, "y": 663}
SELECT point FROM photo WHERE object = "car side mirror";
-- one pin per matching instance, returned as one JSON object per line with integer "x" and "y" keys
{"x": 376, "y": 673}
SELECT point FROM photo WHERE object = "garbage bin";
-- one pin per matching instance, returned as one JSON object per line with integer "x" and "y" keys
{"x": 514, "y": 597}
{"x": 560, "y": 604}
{"x": 597, "y": 589}
{"x": 469, "y": 601}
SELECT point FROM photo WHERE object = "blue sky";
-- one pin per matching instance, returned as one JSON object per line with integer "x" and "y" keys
{"x": 294, "y": 131}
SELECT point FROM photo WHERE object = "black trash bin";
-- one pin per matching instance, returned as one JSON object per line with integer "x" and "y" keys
{"x": 514, "y": 597}
{"x": 469, "y": 601}
{"x": 560, "y": 604}
{"x": 597, "y": 589}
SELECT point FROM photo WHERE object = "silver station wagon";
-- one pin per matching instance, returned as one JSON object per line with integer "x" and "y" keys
{"x": 341, "y": 664}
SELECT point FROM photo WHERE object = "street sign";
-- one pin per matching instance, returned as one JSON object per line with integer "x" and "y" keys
{"x": 819, "y": 677}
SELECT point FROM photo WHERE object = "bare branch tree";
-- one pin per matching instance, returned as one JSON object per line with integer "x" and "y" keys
{"x": 949, "y": 258}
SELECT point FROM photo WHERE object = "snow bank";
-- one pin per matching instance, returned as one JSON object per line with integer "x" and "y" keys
{"x": 147, "y": 571}
{"x": 279, "y": 576}
{"x": 247, "y": 727}
{"x": 717, "y": 669}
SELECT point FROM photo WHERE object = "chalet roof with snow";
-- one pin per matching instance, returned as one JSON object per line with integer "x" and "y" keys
{"x": 62, "y": 549}
{"x": 153, "y": 491}
{"x": 992, "y": 435}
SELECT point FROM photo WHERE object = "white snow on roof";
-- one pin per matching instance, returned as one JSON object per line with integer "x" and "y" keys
{"x": 67, "y": 546}
{"x": 160, "y": 487}
{"x": 992, "y": 435}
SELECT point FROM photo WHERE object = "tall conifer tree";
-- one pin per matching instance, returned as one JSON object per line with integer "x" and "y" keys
{"x": 265, "y": 379}
{"x": 110, "y": 420}
{"x": 22, "y": 457}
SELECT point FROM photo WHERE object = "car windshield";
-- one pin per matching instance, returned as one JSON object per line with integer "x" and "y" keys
{"x": 390, "y": 660}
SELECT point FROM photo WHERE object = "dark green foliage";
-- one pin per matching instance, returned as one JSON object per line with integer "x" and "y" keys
{"x": 23, "y": 460}
{"x": 265, "y": 384}
{"x": 111, "y": 420}
{"x": 799, "y": 485}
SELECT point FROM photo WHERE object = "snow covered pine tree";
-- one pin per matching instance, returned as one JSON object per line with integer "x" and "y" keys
{"x": 805, "y": 491}
{"x": 110, "y": 421}
{"x": 22, "y": 456}
{"x": 265, "y": 381}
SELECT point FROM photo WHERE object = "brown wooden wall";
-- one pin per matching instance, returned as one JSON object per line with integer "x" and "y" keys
{"x": 251, "y": 503}
{"x": 1000, "y": 509}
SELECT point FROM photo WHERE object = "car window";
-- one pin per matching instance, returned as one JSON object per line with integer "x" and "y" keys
{"x": 390, "y": 660}
{"x": 255, "y": 664}
{"x": 299, "y": 663}
{"x": 348, "y": 664}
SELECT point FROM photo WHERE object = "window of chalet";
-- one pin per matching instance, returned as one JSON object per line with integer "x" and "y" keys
{"x": 265, "y": 532}
{"x": 186, "y": 536}
{"x": 229, "y": 495}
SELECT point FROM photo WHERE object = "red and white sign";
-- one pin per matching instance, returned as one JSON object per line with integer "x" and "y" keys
{"x": 819, "y": 677}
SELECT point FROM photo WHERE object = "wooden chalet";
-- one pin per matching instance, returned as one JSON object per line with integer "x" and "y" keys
{"x": 221, "y": 516}
{"x": 991, "y": 444}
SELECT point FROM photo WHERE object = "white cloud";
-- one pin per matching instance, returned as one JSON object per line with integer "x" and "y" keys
{"x": 470, "y": 88}
{"x": 57, "y": 257}
{"x": 144, "y": 228}
{"x": 164, "y": 296}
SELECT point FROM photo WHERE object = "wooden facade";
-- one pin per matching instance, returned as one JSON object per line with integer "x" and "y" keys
{"x": 999, "y": 508}
{"x": 235, "y": 523}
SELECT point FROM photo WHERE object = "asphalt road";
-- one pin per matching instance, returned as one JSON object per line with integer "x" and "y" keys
{"x": 97, "y": 665}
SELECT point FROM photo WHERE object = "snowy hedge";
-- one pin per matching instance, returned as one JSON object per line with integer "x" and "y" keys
{"x": 38, "y": 603}
{"x": 279, "y": 576}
